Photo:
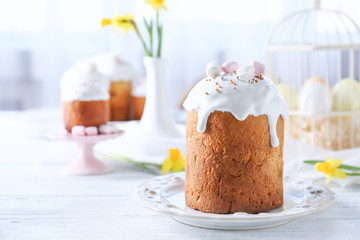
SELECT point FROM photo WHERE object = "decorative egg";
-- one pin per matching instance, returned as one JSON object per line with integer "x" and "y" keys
{"x": 213, "y": 69}
{"x": 315, "y": 96}
{"x": 346, "y": 95}
{"x": 289, "y": 94}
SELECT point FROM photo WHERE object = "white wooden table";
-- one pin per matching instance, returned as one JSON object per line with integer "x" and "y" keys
{"x": 36, "y": 202}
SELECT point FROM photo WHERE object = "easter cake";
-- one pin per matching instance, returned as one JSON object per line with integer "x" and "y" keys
{"x": 234, "y": 141}
{"x": 120, "y": 75}
{"x": 84, "y": 97}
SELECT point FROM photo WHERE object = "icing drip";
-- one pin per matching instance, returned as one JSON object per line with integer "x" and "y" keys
{"x": 139, "y": 91}
{"x": 242, "y": 95}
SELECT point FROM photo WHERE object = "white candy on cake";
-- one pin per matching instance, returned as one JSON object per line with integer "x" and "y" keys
{"x": 246, "y": 71}
{"x": 213, "y": 69}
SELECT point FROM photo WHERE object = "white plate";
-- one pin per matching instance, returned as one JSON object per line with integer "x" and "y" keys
{"x": 166, "y": 194}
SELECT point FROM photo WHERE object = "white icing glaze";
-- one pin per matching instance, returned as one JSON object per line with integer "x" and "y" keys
{"x": 112, "y": 66}
{"x": 248, "y": 98}
{"x": 85, "y": 92}
{"x": 83, "y": 72}
{"x": 139, "y": 91}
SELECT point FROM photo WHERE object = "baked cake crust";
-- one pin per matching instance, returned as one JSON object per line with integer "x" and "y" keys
{"x": 85, "y": 113}
{"x": 232, "y": 167}
{"x": 138, "y": 104}
{"x": 120, "y": 92}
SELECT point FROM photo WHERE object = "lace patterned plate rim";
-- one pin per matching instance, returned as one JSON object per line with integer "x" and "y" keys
{"x": 166, "y": 194}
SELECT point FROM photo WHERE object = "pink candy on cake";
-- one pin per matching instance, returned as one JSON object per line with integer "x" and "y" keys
{"x": 233, "y": 66}
{"x": 230, "y": 66}
{"x": 259, "y": 67}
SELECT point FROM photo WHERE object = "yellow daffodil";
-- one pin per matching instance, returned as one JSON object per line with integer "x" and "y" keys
{"x": 174, "y": 162}
{"x": 156, "y": 4}
{"x": 125, "y": 22}
{"x": 331, "y": 168}
{"x": 105, "y": 22}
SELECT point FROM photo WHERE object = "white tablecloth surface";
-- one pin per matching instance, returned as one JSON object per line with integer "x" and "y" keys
{"x": 36, "y": 202}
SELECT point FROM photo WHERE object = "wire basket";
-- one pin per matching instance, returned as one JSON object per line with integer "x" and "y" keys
{"x": 313, "y": 55}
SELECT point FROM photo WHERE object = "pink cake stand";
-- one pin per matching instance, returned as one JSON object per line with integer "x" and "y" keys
{"x": 85, "y": 163}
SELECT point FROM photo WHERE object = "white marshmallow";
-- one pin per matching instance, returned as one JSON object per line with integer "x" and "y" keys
{"x": 213, "y": 69}
{"x": 106, "y": 129}
{"x": 109, "y": 129}
{"x": 246, "y": 71}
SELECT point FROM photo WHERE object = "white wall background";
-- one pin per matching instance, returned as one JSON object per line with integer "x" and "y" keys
{"x": 40, "y": 39}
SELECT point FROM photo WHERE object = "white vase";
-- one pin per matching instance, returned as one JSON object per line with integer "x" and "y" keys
{"x": 156, "y": 119}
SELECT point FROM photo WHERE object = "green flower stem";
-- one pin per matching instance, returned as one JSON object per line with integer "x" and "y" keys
{"x": 151, "y": 164}
{"x": 343, "y": 166}
{"x": 348, "y": 167}
{"x": 151, "y": 37}
{"x": 149, "y": 28}
{"x": 352, "y": 174}
{"x": 148, "y": 53}
{"x": 159, "y": 31}
{"x": 142, "y": 165}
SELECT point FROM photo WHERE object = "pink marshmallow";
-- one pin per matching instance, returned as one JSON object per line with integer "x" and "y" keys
{"x": 259, "y": 67}
{"x": 78, "y": 131}
{"x": 91, "y": 131}
{"x": 230, "y": 66}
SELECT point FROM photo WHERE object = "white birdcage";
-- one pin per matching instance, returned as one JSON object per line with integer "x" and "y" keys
{"x": 312, "y": 54}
